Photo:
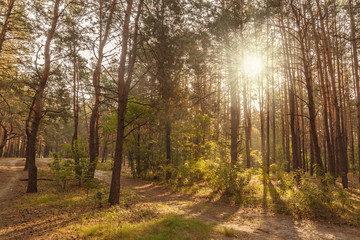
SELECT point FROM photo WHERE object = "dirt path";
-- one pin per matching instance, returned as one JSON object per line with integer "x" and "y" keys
{"x": 18, "y": 223}
{"x": 11, "y": 169}
{"x": 248, "y": 223}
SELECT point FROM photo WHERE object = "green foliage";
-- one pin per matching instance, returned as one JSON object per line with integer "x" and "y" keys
{"x": 105, "y": 166}
{"x": 311, "y": 200}
{"x": 72, "y": 197}
{"x": 89, "y": 183}
{"x": 78, "y": 154}
{"x": 62, "y": 170}
{"x": 239, "y": 189}
{"x": 136, "y": 113}
{"x": 65, "y": 170}
{"x": 343, "y": 197}
{"x": 210, "y": 165}
{"x": 122, "y": 215}
{"x": 286, "y": 182}
{"x": 80, "y": 146}
{"x": 169, "y": 227}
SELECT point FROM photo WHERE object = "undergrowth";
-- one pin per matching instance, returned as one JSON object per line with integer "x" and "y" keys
{"x": 304, "y": 197}
{"x": 105, "y": 166}
{"x": 88, "y": 216}
{"x": 75, "y": 196}
{"x": 165, "y": 227}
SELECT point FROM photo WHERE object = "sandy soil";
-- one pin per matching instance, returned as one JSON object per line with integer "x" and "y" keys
{"x": 249, "y": 223}
{"x": 17, "y": 223}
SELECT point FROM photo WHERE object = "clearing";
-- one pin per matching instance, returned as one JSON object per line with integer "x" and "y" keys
{"x": 245, "y": 223}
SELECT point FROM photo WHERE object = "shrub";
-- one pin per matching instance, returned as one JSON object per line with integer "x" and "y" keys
{"x": 311, "y": 200}
{"x": 62, "y": 170}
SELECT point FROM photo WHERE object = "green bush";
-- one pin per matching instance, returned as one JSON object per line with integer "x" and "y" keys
{"x": 62, "y": 170}
{"x": 311, "y": 200}
{"x": 105, "y": 166}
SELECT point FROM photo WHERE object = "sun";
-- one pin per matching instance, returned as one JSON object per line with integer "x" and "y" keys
{"x": 252, "y": 65}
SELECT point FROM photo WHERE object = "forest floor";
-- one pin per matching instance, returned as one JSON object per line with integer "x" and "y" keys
{"x": 44, "y": 222}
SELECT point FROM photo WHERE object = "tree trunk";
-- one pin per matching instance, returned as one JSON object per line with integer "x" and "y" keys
{"x": 46, "y": 150}
{"x": 94, "y": 119}
{"x": 323, "y": 92}
{"x": 312, "y": 111}
{"x": 267, "y": 163}
{"x": 288, "y": 75}
{"x": 74, "y": 141}
{"x": 168, "y": 142}
{"x": 356, "y": 72}
{"x": 311, "y": 156}
{"x": 341, "y": 151}
{"x": 6, "y": 23}
{"x": 273, "y": 112}
{"x": 247, "y": 126}
{"x": 105, "y": 150}
{"x": 123, "y": 92}
{"x": 309, "y": 86}
{"x": 37, "y": 102}
{"x": 3, "y": 140}
{"x": 234, "y": 110}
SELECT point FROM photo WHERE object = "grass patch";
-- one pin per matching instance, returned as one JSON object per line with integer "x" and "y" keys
{"x": 105, "y": 166}
{"x": 73, "y": 197}
{"x": 168, "y": 227}
{"x": 228, "y": 232}
{"x": 312, "y": 199}
{"x": 280, "y": 193}
{"x": 49, "y": 195}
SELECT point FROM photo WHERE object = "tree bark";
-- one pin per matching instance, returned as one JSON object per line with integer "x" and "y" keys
{"x": 341, "y": 151}
{"x": 247, "y": 126}
{"x": 94, "y": 119}
{"x": 37, "y": 104}
{"x": 123, "y": 93}
{"x": 309, "y": 86}
{"x": 74, "y": 141}
{"x": 356, "y": 73}
{"x": 6, "y": 23}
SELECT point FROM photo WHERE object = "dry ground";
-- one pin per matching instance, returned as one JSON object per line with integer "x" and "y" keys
{"x": 42, "y": 223}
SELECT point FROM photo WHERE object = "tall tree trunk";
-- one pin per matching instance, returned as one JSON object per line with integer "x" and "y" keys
{"x": 168, "y": 142}
{"x": 262, "y": 124}
{"x": 247, "y": 125}
{"x": 340, "y": 148}
{"x": 267, "y": 163}
{"x": 293, "y": 124}
{"x": 311, "y": 155}
{"x": 323, "y": 92}
{"x": 36, "y": 111}
{"x": 105, "y": 149}
{"x": 356, "y": 72}
{"x": 234, "y": 110}
{"x": 46, "y": 150}
{"x": 94, "y": 119}
{"x": 288, "y": 75}
{"x": 303, "y": 41}
{"x": 4, "y": 139}
{"x": 302, "y": 130}
{"x": 273, "y": 122}
{"x": 123, "y": 93}
{"x": 74, "y": 141}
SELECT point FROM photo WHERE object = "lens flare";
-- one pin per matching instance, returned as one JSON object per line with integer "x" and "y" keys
{"x": 252, "y": 65}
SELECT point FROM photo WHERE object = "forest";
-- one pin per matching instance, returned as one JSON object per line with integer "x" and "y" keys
{"x": 249, "y": 107}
